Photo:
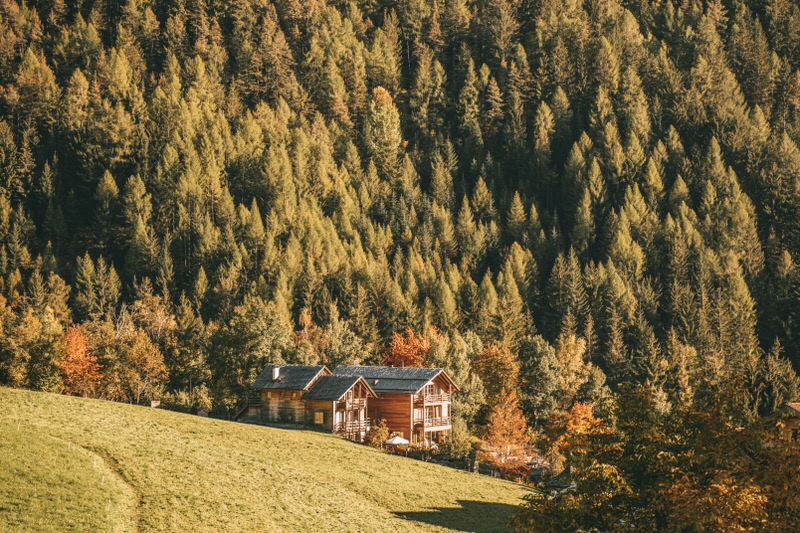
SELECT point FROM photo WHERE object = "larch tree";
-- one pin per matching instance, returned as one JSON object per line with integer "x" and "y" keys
{"x": 80, "y": 371}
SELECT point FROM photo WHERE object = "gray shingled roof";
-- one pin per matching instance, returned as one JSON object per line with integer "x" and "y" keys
{"x": 331, "y": 387}
{"x": 291, "y": 377}
{"x": 391, "y": 379}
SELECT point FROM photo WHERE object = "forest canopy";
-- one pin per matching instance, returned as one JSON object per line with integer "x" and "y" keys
{"x": 589, "y": 208}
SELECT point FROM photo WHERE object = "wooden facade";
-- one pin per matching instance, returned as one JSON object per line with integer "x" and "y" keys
{"x": 396, "y": 410}
{"x": 432, "y": 411}
{"x": 790, "y": 421}
{"x": 350, "y": 412}
{"x": 320, "y": 414}
{"x": 285, "y": 407}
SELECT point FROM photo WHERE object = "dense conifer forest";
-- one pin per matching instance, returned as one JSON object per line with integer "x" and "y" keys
{"x": 587, "y": 212}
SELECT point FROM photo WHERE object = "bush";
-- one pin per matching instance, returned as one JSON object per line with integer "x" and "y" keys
{"x": 176, "y": 401}
{"x": 460, "y": 444}
{"x": 378, "y": 434}
{"x": 199, "y": 399}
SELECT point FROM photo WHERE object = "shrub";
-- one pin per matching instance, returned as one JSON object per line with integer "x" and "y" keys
{"x": 460, "y": 444}
{"x": 378, "y": 434}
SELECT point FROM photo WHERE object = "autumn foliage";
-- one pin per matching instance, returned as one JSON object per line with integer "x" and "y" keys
{"x": 498, "y": 369}
{"x": 505, "y": 436}
{"x": 80, "y": 371}
{"x": 407, "y": 349}
{"x": 577, "y": 433}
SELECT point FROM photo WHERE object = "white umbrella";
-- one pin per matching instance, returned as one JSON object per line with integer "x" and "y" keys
{"x": 397, "y": 440}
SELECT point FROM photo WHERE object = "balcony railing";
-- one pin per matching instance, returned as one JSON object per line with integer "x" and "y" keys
{"x": 432, "y": 398}
{"x": 352, "y": 427}
{"x": 433, "y": 422}
{"x": 349, "y": 405}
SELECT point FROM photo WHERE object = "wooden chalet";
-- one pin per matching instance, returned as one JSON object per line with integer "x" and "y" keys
{"x": 280, "y": 390}
{"x": 310, "y": 395}
{"x": 790, "y": 415}
{"x": 339, "y": 404}
{"x": 415, "y": 402}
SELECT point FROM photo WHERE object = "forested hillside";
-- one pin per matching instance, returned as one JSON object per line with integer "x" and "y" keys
{"x": 562, "y": 202}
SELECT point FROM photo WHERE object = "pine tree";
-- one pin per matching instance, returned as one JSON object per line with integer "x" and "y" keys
{"x": 487, "y": 306}
{"x": 442, "y": 183}
{"x": 85, "y": 291}
{"x": 106, "y": 194}
{"x": 583, "y": 229}
{"x": 469, "y": 114}
{"x": 516, "y": 220}
{"x": 500, "y": 27}
{"x": 607, "y": 74}
{"x": 492, "y": 110}
{"x": 382, "y": 134}
{"x": 512, "y": 321}
{"x": 483, "y": 201}
{"x": 543, "y": 130}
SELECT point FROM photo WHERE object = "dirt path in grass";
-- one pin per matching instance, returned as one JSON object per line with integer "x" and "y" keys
{"x": 129, "y": 516}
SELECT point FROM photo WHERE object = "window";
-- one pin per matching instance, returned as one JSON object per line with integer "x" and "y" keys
{"x": 294, "y": 395}
{"x": 269, "y": 395}
{"x": 319, "y": 417}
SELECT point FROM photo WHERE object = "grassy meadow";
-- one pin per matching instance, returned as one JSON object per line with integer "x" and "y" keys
{"x": 70, "y": 464}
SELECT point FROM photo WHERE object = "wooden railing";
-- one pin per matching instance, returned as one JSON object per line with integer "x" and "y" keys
{"x": 432, "y": 398}
{"x": 349, "y": 405}
{"x": 433, "y": 422}
{"x": 353, "y": 428}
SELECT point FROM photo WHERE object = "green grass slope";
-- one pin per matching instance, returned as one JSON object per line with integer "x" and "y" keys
{"x": 69, "y": 464}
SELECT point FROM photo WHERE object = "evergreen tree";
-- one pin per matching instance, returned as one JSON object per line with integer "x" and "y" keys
{"x": 382, "y": 134}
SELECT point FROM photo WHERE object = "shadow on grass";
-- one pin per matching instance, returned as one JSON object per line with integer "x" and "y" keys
{"x": 474, "y": 516}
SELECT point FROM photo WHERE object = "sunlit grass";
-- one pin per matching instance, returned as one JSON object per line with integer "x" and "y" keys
{"x": 86, "y": 465}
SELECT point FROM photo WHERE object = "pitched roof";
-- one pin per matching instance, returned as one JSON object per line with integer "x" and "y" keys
{"x": 290, "y": 377}
{"x": 334, "y": 387}
{"x": 392, "y": 379}
{"x": 794, "y": 406}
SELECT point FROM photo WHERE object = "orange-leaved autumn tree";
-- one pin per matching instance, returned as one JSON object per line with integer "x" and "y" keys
{"x": 578, "y": 437}
{"x": 506, "y": 435}
{"x": 602, "y": 498}
{"x": 80, "y": 372}
{"x": 408, "y": 349}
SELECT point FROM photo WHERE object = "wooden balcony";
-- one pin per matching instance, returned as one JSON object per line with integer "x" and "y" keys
{"x": 427, "y": 399}
{"x": 354, "y": 430}
{"x": 442, "y": 421}
{"x": 352, "y": 405}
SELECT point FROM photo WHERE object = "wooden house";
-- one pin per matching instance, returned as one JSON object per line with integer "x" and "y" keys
{"x": 310, "y": 395}
{"x": 790, "y": 421}
{"x": 280, "y": 390}
{"x": 415, "y": 402}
